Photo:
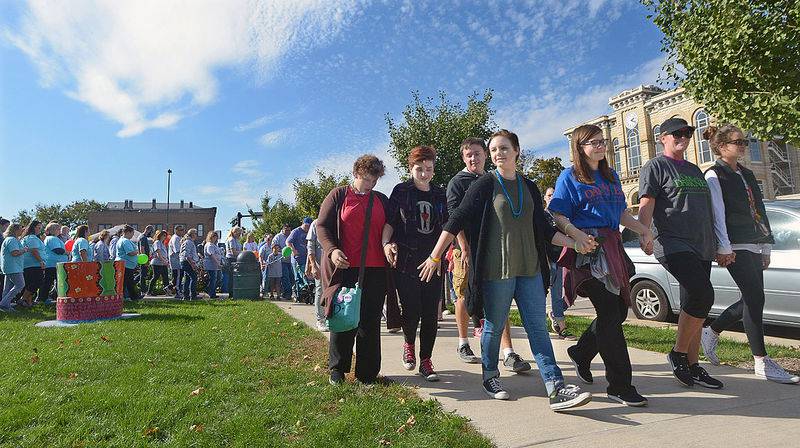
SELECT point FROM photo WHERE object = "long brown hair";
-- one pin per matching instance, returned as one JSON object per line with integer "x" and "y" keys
{"x": 581, "y": 169}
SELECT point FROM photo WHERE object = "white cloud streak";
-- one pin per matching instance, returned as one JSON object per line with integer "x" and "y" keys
{"x": 148, "y": 64}
{"x": 251, "y": 168}
{"x": 273, "y": 137}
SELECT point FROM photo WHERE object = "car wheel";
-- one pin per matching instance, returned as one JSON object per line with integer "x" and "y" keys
{"x": 649, "y": 301}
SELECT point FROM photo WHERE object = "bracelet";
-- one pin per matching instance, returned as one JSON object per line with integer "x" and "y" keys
{"x": 435, "y": 260}
{"x": 566, "y": 228}
{"x": 575, "y": 246}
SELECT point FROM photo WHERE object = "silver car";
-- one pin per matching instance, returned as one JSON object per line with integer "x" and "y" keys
{"x": 656, "y": 293}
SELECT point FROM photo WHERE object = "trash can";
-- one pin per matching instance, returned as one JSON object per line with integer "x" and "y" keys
{"x": 246, "y": 277}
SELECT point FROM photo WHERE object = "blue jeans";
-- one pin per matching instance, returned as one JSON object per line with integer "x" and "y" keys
{"x": 13, "y": 285}
{"x": 287, "y": 280}
{"x": 557, "y": 303}
{"x": 211, "y": 289}
{"x": 529, "y": 295}
{"x": 189, "y": 281}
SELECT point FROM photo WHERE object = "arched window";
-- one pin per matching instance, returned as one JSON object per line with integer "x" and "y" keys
{"x": 657, "y": 137}
{"x": 617, "y": 155}
{"x": 635, "y": 198}
{"x": 755, "y": 149}
{"x": 701, "y": 121}
{"x": 634, "y": 154}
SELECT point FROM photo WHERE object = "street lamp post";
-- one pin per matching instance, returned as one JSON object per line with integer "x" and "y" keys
{"x": 169, "y": 174}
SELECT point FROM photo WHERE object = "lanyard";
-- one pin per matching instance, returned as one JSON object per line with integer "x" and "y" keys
{"x": 515, "y": 213}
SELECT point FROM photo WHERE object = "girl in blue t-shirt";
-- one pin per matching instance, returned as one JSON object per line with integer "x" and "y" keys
{"x": 54, "y": 253}
{"x": 81, "y": 249}
{"x": 11, "y": 252}
{"x": 588, "y": 204}
{"x": 32, "y": 262}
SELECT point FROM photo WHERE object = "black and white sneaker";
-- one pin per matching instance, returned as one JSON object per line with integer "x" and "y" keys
{"x": 630, "y": 398}
{"x": 466, "y": 355}
{"x": 336, "y": 378}
{"x": 427, "y": 371}
{"x": 582, "y": 370}
{"x": 516, "y": 364}
{"x": 701, "y": 377}
{"x": 494, "y": 389}
{"x": 569, "y": 396}
{"x": 680, "y": 367}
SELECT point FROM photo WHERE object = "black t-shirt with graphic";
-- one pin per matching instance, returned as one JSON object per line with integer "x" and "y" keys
{"x": 418, "y": 222}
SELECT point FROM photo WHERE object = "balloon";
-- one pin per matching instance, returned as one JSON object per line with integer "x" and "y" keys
{"x": 287, "y": 251}
{"x": 68, "y": 245}
{"x": 142, "y": 259}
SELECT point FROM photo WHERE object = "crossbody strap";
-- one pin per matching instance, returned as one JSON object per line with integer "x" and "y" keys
{"x": 365, "y": 241}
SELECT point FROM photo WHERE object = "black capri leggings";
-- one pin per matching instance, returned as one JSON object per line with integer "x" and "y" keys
{"x": 159, "y": 272}
{"x": 694, "y": 276}
{"x": 420, "y": 301}
{"x": 47, "y": 284}
{"x": 33, "y": 278}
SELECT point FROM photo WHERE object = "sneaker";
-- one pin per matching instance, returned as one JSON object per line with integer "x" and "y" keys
{"x": 426, "y": 370}
{"x": 322, "y": 326}
{"x": 336, "y": 378}
{"x": 409, "y": 360}
{"x": 630, "y": 398}
{"x": 582, "y": 370}
{"x": 515, "y": 363}
{"x": 494, "y": 389}
{"x": 766, "y": 368}
{"x": 559, "y": 327}
{"x": 701, "y": 377}
{"x": 394, "y": 330}
{"x": 709, "y": 340}
{"x": 8, "y": 309}
{"x": 570, "y": 396}
{"x": 466, "y": 355}
{"x": 446, "y": 313}
{"x": 680, "y": 368}
{"x": 478, "y": 331}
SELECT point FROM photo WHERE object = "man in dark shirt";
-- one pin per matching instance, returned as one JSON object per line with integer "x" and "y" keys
{"x": 144, "y": 248}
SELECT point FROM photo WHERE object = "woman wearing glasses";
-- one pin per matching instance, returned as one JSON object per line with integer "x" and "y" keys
{"x": 503, "y": 218}
{"x": 588, "y": 205}
{"x": 744, "y": 240}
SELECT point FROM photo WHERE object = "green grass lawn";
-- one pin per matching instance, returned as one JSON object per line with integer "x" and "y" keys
{"x": 198, "y": 374}
{"x": 662, "y": 340}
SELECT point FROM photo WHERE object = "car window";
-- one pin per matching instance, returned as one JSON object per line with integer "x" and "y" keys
{"x": 785, "y": 230}
{"x": 630, "y": 238}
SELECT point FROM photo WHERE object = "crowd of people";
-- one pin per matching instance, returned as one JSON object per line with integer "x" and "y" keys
{"x": 501, "y": 240}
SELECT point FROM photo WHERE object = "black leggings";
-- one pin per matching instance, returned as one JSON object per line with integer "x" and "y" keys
{"x": 605, "y": 336}
{"x": 748, "y": 273}
{"x": 47, "y": 284}
{"x": 158, "y": 272}
{"x": 367, "y": 336}
{"x": 694, "y": 277}
{"x": 33, "y": 278}
{"x": 420, "y": 301}
{"x": 129, "y": 285}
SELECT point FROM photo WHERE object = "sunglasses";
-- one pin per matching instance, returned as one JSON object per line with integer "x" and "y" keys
{"x": 599, "y": 143}
{"x": 739, "y": 142}
{"x": 682, "y": 133}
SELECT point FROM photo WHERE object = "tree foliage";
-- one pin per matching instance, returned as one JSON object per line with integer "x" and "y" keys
{"x": 444, "y": 126}
{"x": 741, "y": 58}
{"x": 74, "y": 214}
{"x": 544, "y": 171}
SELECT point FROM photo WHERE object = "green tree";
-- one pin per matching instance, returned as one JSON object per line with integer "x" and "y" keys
{"x": 74, "y": 214}
{"x": 444, "y": 126}
{"x": 741, "y": 58}
{"x": 544, "y": 171}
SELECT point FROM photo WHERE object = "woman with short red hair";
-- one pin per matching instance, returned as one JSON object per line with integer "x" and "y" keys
{"x": 419, "y": 211}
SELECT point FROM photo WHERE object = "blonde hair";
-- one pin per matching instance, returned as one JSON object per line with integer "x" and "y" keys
{"x": 159, "y": 234}
{"x": 12, "y": 230}
{"x": 48, "y": 229}
{"x": 210, "y": 236}
{"x": 233, "y": 230}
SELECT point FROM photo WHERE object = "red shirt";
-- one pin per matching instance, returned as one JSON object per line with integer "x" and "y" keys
{"x": 352, "y": 218}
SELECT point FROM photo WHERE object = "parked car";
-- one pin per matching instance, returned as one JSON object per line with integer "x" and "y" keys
{"x": 655, "y": 293}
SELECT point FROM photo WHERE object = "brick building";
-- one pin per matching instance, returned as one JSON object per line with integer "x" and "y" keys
{"x": 141, "y": 214}
{"x": 633, "y": 126}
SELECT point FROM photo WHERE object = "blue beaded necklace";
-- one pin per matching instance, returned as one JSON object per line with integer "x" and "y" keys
{"x": 514, "y": 213}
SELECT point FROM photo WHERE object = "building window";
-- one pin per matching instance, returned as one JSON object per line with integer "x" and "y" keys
{"x": 634, "y": 154}
{"x": 617, "y": 156}
{"x": 103, "y": 227}
{"x": 159, "y": 226}
{"x": 755, "y": 149}
{"x": 657, "y": 138}
{"x": 701, "y": 121}
{"x": 201, "y": 231}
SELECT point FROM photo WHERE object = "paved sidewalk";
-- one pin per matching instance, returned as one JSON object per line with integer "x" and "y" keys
{"x": 748, "y": 412}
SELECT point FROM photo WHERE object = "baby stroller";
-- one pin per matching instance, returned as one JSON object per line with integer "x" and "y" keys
{"x": 304, "y": 288}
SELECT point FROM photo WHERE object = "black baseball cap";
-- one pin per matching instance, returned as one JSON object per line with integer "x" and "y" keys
{"x": 674, "y": 124}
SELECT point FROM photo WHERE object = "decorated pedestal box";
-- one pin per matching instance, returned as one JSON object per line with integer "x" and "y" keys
{"x": 89, "y": 290}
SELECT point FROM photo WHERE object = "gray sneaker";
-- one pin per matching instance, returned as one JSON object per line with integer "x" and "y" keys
{"x": 516, "y": 364}
{"x": 466, "y": 355}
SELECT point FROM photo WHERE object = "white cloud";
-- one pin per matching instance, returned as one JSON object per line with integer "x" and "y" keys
{"x": 259, "y": 122}
{"x": 273, "y": 137}
{"x": 148, "y": 64}
{"x": 541, "y": 121}
{"x": 249, "y": 168}
{"x": 208, "y": 189}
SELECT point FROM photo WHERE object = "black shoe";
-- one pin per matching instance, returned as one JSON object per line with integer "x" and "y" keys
{"x": 494, "y": 389}
{"x": 466, "y": 355}
{"x": 336, "y": 378}
{"x": 427, "y": 371}
{"x": 680, "y": 368}
{"x": 514, "y": 363}
{"x": 566, "y": 397}
{"x": 701, "y": 377}
{"x": 582, "y": 370}
{"x": 630, "y": 398}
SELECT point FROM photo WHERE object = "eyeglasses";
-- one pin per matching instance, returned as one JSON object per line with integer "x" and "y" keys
{"x": 739, "y": 142}
{"x": 596, "y": 143}
{"x": 681, "y": 133}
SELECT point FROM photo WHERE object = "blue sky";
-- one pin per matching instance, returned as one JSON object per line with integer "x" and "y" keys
{"x": 99, "y": 98}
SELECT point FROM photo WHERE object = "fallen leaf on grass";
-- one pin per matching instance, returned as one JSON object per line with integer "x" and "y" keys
{"x": 73, "y": 375}
{"x": 77, "y": 342}
{"x": 151, "y": 432}
{"x": 341, "y": 400}
{"x": 317, "y": 368}
{"x": 197, "y": 428}
{"x": 385, "y": 442}
{"x": 197, "y": 391}
{"x": 407, "y": 425}
{"x": 105, "y": 339}
{"x": 311, "y": 383}
{"x": 294, "y": 324}
{"x": 34, "y": 359}
{"x": 306, "y": 357}
{"x": 402, "y": 400}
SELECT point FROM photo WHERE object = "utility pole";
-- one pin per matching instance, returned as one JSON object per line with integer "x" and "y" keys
{"x": 169, "y": 174}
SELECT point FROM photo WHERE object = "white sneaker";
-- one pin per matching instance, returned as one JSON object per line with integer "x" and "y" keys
{"x": 768, "y": 369}
{"x": 322, "y": 326}
{"x": 709, "y": 340}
